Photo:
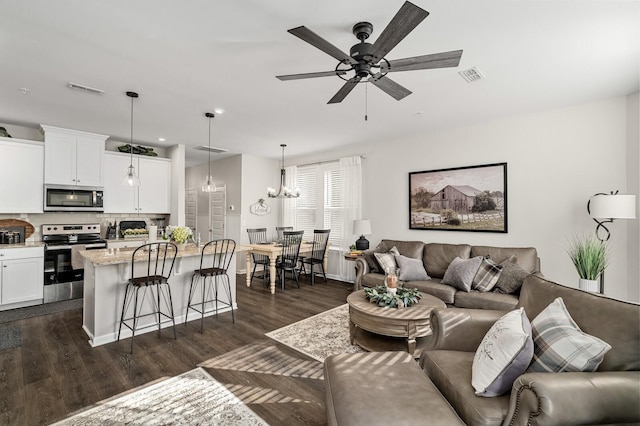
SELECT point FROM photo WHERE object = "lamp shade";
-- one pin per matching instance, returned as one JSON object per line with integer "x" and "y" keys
{"x": 362, "y": 227}
{"x": 613, "y": 206}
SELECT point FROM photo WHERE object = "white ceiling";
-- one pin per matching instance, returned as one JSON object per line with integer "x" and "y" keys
{"x": 185, "y": 58}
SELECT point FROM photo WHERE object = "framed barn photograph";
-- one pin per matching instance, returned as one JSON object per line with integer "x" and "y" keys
{"x": 472, "y": 198}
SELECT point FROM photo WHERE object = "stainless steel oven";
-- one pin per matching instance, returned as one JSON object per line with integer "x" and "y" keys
{"x": 64, "y": 198}
{"x": 63, "y": 265}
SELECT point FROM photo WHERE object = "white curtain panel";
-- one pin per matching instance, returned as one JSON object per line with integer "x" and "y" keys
{"x": 351, "y": 170}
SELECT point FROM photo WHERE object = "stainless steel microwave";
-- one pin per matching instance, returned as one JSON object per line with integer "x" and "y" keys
{"x": 65, "y": 198}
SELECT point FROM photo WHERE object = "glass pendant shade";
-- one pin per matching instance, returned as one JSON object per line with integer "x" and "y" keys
{"x": 131, "y": 179}
{"x": 208, "y": 185}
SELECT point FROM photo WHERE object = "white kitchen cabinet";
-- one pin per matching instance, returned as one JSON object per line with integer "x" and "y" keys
{"x": 72, "y": 157}
{"x": 151, "y": 197}
{"x": 21, "y": 176}
{"x": 21, "y": 277}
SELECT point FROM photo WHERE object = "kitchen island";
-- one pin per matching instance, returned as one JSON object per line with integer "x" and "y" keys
{"x": 106, "y": 273}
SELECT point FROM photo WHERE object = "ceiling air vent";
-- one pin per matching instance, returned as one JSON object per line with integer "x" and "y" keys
{"x": 472, "y": 74}
{"x": 213, "y": 149}
{"x": 85, "y": 88}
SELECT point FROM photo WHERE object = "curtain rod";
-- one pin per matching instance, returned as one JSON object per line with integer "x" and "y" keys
{"x": 317, "y": 163}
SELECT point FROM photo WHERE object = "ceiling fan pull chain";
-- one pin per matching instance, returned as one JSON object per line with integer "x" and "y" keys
{"x": 366, "y": 99}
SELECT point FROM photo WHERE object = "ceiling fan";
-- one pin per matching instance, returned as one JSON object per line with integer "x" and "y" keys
{"x": 368, "y": 60}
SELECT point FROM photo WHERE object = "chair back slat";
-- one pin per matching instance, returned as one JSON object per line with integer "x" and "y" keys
{"x": 320, "y": 241}
{"x": 291, "y": 241}
{"x": 220, "y": 253}
{"x": 258, "y": 235}
{"x": 157, "y": 257}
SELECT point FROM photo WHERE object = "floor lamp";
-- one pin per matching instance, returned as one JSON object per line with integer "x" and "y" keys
{"x": 604, "y": 209}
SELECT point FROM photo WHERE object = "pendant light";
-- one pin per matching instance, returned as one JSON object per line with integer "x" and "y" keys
{"x": 283, "y": 191}
{"x": 131, "y": 179}
{"x": 208, "y": 185}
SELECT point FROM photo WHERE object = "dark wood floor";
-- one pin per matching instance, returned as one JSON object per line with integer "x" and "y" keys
{"x": 55, "y": 372}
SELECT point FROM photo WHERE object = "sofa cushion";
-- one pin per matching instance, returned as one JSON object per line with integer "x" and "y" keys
{"x": 410, "y": 269}
{"x": 412, "y": 249}
{"x": 487, "y": 275}
{"x": 434, "y": 287}
{"x": 561, "y": 346}
{"x": 372, "y": 279}
{"x": 450, "y": 371}
{"x": 490, "y": 300}
{"x": 437, "y": 257}
{"x": 527, "y": 256}
{"x": 511, "y": 277}
{"x": 611, "y": 320}
{"x": 461, "y": 272}
{"x": 504, "y": 354}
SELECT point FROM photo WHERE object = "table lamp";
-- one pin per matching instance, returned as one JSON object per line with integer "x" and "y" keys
{"x": 362, "y": 227}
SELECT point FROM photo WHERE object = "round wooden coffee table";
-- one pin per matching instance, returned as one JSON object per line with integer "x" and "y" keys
{"x": 376, "y": 328}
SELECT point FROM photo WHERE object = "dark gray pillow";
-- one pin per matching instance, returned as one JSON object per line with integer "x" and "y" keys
{"x": 411, "y": 269}
{"x": 511, "y": 277}
{"x": 460, "y": 272}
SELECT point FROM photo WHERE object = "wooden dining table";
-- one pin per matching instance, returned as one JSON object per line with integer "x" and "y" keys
{"x": 272, "y": 250}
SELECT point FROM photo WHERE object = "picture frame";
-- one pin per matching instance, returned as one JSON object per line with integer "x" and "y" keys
{"x": 470, "y": 198}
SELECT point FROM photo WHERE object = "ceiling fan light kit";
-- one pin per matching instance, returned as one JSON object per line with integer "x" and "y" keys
{"x": 367, "y": 61}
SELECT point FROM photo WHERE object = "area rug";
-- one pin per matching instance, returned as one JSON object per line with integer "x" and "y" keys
{"x": 318, "y": 336}
{"x": 10, "y": 337}
{"x": 192, "y": 398}
{"x": 38, "y": 310}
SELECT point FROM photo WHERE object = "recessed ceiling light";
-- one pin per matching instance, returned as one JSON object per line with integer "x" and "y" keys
{"x": 24, "y": 90}
{"x": 218, "y": 110}
{"x": 161, "y": 139}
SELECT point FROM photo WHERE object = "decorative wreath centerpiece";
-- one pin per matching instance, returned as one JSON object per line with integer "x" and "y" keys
{"x": 402, "y": 298}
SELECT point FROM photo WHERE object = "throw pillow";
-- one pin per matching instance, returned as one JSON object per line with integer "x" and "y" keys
{"x": 560, "y": 345}
{"x": 503, "y": 355}
{"x": 487, "y": 275}
{"x": 511, "y": 277}
{"x": 411, "y": 269}
{"x": 387, "y": 260}
{"x": 460, "y": 272}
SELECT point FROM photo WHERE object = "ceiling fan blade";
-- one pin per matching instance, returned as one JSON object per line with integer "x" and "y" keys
{"x": 407, "y": 18}
{"x": 345, "y": 90}
{"x": 436, "y": 60}
{"x": 315, "y": 40}
{"x": 310, "y": 75}
{"x": 389, "y": 86}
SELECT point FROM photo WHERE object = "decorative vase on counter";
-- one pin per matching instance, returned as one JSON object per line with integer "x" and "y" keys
{"x": 589, "y": 285}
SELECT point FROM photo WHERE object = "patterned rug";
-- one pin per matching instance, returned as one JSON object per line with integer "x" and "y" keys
{"x": 192, "y": 398}
{"x": 318, "y": 336}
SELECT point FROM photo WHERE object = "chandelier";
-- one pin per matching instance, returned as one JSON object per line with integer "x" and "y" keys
{"x": 283, "y": 191}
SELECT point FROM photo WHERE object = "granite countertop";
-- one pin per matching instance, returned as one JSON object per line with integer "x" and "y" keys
{"x": 26, "y": 244}
{"x": 117, "y": 256}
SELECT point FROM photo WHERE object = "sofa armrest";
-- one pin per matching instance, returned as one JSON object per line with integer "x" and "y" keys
{"x": 575, "y": 398}
{"x": 361, "y": 268}
{"x": 459, "y": 329}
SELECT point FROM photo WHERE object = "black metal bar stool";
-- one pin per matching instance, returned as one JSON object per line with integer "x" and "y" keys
{"x": 151, "y": 267}
{"x": 212, "y": 272}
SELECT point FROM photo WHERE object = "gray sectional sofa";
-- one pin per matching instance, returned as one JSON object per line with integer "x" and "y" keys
{"x": 436, "y": 258}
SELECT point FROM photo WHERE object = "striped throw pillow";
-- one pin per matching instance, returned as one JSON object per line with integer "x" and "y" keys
{"x": 560, "y": 345}
{"x": 487, "y": 275}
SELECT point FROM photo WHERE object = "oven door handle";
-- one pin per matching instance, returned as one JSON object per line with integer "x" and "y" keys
{"x": 95, "y": 246}
{"x": 54, "y": 248}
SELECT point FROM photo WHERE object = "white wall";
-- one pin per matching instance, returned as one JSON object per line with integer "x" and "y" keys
{"x": 178, "y": 208}
{"x": 633, "y": 173}
{"x": 556, "y": 160}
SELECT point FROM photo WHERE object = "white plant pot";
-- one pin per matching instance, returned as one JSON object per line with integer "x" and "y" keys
{"x": 392, "y": 290}
{"x": 589, "y": 285}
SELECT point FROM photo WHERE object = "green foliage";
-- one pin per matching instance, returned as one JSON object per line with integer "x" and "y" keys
{"x": 483, "y": 202}
{"x": 454, "y": 221}
{"x": 403, "y": 297}
{"x": 589, "y": 255}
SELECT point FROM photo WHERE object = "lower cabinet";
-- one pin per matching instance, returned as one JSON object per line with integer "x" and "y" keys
{"x": 151, "y": 197}
{"x": 21, "y": 277}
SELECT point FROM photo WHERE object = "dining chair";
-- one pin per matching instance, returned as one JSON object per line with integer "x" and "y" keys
{"x": 280, "y": 231}
{"x": 288, "y": 260}
{"x": 320, "y": 241}
{"x": 151, "y": 267}
{"x": 259, "y": 235}
{"x": 214, "y": 263}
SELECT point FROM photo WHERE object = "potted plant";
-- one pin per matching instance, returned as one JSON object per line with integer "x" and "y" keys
{"x": 590, "y": 257}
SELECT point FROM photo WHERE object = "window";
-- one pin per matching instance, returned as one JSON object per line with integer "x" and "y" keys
{"x": 321, "y": 204}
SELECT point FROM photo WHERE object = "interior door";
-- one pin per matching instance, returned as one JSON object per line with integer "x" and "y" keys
{"x": 217, "y": 213}
{"x": 191, "y": 212}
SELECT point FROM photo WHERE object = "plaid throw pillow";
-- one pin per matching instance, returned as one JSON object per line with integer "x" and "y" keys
{"x": 487, "y": 275}
{"x": 560, "y": 345}
{"x": 387, "y": 260}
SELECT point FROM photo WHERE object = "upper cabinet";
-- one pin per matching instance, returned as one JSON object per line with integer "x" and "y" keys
{"x": 21, "y": 176}
{"x": 73, "y": 157}
{"x": 153, "y": 196}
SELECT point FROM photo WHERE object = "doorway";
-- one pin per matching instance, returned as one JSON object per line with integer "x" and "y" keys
{"x": 217, "y": 213}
